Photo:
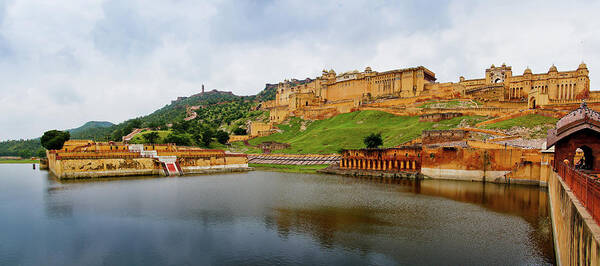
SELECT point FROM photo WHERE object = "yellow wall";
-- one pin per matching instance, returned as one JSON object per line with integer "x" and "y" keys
{"x": 257, "y": 127}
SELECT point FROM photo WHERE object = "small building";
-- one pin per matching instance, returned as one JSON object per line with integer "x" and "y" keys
{"x": 436, "y": 117}
{"x": 259, "y": 129}
{"x": 269, "y": 146}
{"x": 580, "y": 129}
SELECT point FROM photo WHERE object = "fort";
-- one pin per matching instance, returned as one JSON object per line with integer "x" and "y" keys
{"x": 89, "y": 159}
{"x": 396, "y": 91}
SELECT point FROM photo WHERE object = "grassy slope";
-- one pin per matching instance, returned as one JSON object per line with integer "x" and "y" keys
{"x": 139, "y": 138}
{"x": 348, "y": 130}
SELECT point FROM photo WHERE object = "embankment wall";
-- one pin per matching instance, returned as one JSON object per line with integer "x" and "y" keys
{"x": 499, "y": 165}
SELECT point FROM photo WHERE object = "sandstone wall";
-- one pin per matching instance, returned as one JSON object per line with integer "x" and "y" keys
{"x": 477, "y": 164}
{"x": 92, "y": 168}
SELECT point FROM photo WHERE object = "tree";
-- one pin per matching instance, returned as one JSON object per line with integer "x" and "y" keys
{"x": 373, "y": 140}
{"x": 179, "y": 139}
{"x": 54, "y": 139}
{"x": 207, "y": 137}
{"x": 239, "y": 131}
{"x": 151, "y": 137}
{"x": 222, "y": 136}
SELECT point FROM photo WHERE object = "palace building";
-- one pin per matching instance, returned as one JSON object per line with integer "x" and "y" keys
{"x": 331, "y": 94}
{"x": 535, "y": 89}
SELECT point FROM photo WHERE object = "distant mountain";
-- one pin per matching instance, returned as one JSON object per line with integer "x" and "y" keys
{"x": 89, "y": 125}
{"x": 97, "y": 130}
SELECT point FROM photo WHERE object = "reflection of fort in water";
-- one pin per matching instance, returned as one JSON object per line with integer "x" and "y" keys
{"x": 528, "y": 202}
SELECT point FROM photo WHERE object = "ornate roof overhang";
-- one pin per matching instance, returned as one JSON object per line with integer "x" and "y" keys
{"x": 579, "y": 119}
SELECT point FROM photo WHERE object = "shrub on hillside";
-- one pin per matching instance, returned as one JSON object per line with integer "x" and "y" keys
{"x": 179, "y": 139}
{"x": 373, "y": 140}
{"x": 239, "y": 131}
{"x": 151, "y": 137}
{"x": 222, "y": 136}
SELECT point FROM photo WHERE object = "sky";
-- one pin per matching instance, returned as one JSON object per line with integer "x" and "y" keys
{"x": 66, "y": 62}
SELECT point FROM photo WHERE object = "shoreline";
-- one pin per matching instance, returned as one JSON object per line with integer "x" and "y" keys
{"x": 19, "y": 161}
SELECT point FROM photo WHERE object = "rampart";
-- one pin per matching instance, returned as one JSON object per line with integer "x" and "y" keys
{"x": 437, "y": 136}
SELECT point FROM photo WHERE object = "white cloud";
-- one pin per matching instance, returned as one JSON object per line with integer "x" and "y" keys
{"x": 66, "y": 62}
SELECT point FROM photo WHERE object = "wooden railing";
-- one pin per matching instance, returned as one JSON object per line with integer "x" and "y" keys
{"x": 585, "y": 187}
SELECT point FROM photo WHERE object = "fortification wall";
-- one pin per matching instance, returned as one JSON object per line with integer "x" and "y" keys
{"x": 94, "y": 168}
{"x": 504, "y": 104}
{"x": 234, "y": 138}
{"x": 576, "y": 234}
{"x": 438, "y": 136}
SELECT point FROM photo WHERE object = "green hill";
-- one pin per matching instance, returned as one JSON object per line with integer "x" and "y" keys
{"x": 97, "y": 130}
{"x": 346, "y": 131}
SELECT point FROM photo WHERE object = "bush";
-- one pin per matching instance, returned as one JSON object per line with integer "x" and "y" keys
{"x": 222, "y": 136}
{"x": 54, "y": 139}
{"x": 151, "y": 137}
{"x": 179, "y": 139}
{"x": 373, "y": 140}
{"x": 239, "y": 131}
{"x": 207, "y": 137}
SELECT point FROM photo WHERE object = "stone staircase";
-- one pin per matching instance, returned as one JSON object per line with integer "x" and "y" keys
{"x": 169, "y": 163}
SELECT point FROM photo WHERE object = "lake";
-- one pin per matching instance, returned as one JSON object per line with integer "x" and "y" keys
{"x": 266, "y": 218}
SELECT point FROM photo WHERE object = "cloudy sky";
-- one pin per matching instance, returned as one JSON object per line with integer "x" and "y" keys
{"x": 65, "y": 62}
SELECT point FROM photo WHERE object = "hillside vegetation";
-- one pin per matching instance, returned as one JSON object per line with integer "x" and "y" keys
{"x": 346, "y": 131}
{"x": 98, "y": 130}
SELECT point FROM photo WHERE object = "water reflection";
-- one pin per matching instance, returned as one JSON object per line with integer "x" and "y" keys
{"x": 269, "y": 218}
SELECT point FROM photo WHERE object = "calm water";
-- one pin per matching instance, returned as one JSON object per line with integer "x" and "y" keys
{"x": 264, "y": 218}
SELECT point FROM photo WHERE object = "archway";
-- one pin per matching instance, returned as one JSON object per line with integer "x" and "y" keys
{"x": 532, "y": 103}
{"x": 584, "y": 158}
